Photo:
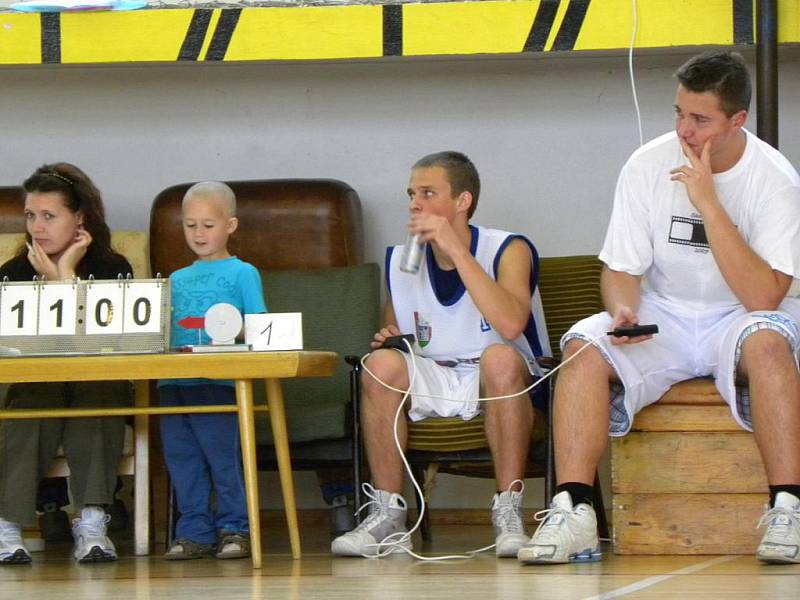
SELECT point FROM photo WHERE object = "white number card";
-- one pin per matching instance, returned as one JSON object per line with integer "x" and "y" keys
{"x": 19, "y": 310}
{"x": 274, "y": 331}
{"x": 104, "y": 305}
{"x": 58, "y": 304}
{"x": 142, "y": 308}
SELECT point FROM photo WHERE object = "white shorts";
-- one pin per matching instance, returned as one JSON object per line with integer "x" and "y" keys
{"x": 689, "y": 344}
{"x": 457, "y": 388}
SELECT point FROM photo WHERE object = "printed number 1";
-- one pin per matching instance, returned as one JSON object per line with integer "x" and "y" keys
{"x": 58, "y": 306}
{"x": 19, "y": 306}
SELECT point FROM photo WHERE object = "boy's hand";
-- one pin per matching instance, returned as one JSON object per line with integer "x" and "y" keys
{"x": 625, "y": 317}
{"x": 380, "y": 337}
{"x": 697, "y": 177}
{"x": 437, "y": 230}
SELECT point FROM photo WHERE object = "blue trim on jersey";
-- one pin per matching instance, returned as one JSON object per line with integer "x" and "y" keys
{"x": 530, "y": 332}
{"x": 433, "y": 268}
{"x": 387, "y": 261}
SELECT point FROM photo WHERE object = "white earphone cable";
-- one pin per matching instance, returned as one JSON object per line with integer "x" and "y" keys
{"x": 630, "y": 71}
{"x": 395, "y": 541}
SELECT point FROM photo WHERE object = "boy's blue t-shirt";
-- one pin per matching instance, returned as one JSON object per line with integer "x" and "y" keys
{"x": 201, "y": 285}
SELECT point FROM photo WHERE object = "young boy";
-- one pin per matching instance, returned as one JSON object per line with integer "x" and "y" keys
{"x": 202, "y": 450}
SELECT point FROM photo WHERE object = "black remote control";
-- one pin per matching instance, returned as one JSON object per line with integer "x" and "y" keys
{"x": 396, "y": 341}
{"x": 634, "y": 331}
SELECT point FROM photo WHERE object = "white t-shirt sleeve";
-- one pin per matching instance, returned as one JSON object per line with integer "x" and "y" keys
{"x": 776, "y": 234}
{"x": 628, "y": 246}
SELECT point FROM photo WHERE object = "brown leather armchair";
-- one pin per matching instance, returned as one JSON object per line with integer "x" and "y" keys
{"x": 12, "y": 204}
{"x": 283, "y": 224}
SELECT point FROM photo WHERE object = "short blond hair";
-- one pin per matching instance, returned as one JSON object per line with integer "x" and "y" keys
{"x": 212, "y": 189}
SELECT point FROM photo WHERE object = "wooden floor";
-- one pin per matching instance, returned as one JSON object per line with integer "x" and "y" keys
{"x": 55, "y": 577}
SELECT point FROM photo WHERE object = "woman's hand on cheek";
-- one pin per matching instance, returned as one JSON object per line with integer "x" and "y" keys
{"x": 68, "y": 263}
{"x": 41, "y": 262}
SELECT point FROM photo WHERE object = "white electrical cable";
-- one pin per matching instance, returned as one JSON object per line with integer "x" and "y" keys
{"x": 476, "y": 400}
{"x": 630, "y": 71}
{"x": 395, "y": 541}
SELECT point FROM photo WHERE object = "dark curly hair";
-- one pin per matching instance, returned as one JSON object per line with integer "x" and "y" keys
{"x": 80, "y": 195}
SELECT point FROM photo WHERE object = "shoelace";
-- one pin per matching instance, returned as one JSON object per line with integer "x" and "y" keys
{"x": 509, "y": 515}
{"x": 377, "y": 511}
{"x": 10, "y": 534}
{"x": 781, "y": 527}
{"x": 93, "y": 527}
{"x": 544, "y": 516}
{"x": 508, "y": 518}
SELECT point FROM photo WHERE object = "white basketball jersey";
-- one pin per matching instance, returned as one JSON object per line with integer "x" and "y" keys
{"x": 452, "y": 330}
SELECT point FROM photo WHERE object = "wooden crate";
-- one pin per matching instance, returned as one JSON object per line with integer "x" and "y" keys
{"x": 687, "y": 479}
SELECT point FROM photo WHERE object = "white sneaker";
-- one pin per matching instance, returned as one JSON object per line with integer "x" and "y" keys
{"x": 12, "y": 548}
{"x": 382, "y": 532}
{"x": 566, "y": 534}
{"x": 509, "y": 529}
{"x": 781, "y": 542}
{"x": 89, "y": 533}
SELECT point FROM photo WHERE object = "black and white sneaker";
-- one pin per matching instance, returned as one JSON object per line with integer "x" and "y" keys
{"x": 89, "y": 532}
{"x": 12, "y": 548}
{"x": 382, "y": 532}
{"x": 781, "y": 542}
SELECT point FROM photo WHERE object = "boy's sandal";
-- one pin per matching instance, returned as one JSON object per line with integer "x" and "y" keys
{"x": 233, "y": 545}
{"x": 184, "y": 549}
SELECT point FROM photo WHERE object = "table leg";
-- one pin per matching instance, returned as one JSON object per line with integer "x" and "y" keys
{"x": 277, "y": 417}
{"x": 141, "y": 476}
{"x": 244, "y": 400}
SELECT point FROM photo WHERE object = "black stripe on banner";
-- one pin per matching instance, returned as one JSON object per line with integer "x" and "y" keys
{"x": 571, "y": 26}
{"x": 51, "y": 37}
{"x": 542, "y": 24}
{"x": 223, "y": 33}
{"x": 196, "y": 34}
{"x": 392, "y": 30}
{"x": 743, "y": 22}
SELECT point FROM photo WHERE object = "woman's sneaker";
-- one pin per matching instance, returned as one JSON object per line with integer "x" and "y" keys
{"x": 382, "y": 532}
{"x": 89, "y": 533}
{"x": 12, "y": 548}
{"x": 781, "y": 542}
{"x": 565, "y": 534}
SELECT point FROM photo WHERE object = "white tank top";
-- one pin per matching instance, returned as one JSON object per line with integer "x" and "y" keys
{"x": 452, "y": 331}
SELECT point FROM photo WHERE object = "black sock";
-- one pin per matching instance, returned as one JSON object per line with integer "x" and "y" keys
{"x": 581, "y": 493}
{"x": 794, "y": 490}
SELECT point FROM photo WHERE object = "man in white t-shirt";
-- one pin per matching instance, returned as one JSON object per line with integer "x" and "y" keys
{"x": 477, "y": 322}
{"x": 704, "y": 241}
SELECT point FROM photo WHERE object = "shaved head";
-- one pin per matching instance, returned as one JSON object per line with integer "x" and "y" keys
{"x": 213, "y": 190}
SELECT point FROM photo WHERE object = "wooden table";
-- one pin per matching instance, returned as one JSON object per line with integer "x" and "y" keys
{"x": 242, "y": 367}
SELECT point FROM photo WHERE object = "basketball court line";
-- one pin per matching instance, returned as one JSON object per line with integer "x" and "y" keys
{"x": 650, "y": 581}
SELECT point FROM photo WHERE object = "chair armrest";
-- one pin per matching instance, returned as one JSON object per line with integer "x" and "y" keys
{"x": 353, "y": 360}
{"x": 547, "y": 362}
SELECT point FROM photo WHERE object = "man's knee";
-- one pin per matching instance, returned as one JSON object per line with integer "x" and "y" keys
{"x": 502, "y": 366}
{"x": 388, "y": 367}
{"x": 763, "y": 347}
{"x": 577, "y": 357}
